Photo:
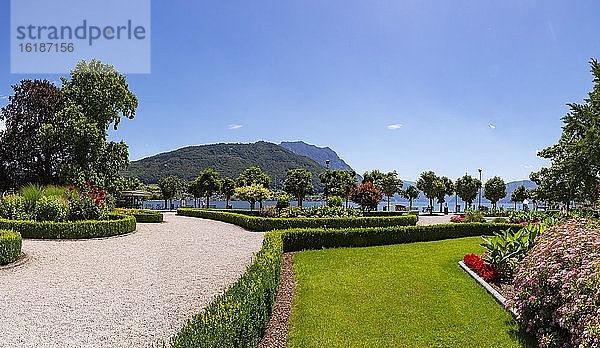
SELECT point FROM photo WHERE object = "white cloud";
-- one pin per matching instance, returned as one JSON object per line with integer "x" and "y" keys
{"x": 395, "y": 126}
{"x": 492, "y": 126}
{"x": 234, "y": 126}
{"x": 2, "y": 126}
{"x": 527, "y": 166}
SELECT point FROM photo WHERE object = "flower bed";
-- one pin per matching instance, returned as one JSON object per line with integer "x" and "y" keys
{"x": 10, "y": 246}
{"x": 116, "y": 225}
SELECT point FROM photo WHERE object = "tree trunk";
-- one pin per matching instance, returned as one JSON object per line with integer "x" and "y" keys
{"x": 430, "y": 206}
{"x": 440, "y": 207}
{"x": 260, "y": 205}
{"x": 227, "y": 202}
{"x": 410, "y": 204}
{"x": 346, "y": 202}
{"x": 165, "y": 204}
{"x": 515, "y": 205}
{"x": 207, "y": 202}
{"x": 299, "y": 201}
{"x": 388, "y": 203}
{"x": 195, "y": 202}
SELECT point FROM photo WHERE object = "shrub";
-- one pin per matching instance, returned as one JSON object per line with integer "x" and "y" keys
{"x": 499, "y": 220}
{"x": 10, "y": 246}
{"x": 118, "y": 224}
{"x": 142, "y": 215}
{"x": 320, "y": 212}
{"x": 31, "y": 194}
{"x": 269, "y": 211}
{"x": 50, "y": 208}
{"x": 484, "y": 270}
{"x": 558, "y": 287}
{"x": 238, "y": 317}
{"x": 335, "y": 201}
{"x": 87, "y": 203}
{"x": 267, "y": 224}
{"x": 457, "y": 219}
{"x": 474, "y": 216}
{"x": 283, "y": 201}
{"x": 13, "y": 208}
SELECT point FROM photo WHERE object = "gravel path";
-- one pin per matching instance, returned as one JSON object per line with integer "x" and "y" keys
{"x": 426, "y": 220}
{"x": 127, "y": 291}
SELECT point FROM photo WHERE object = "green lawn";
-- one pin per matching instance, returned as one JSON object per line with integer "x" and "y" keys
{"x": 408, "y": 295}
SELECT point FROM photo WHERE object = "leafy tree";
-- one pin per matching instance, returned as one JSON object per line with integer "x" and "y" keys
{"x": 298, "y": 183}
{"x": 97, "y": 96}
{"x": 338, "y": 182}
{"x": 426, "y": 183}
{"x": 227, "y": 189}
{"x": 253, "y": 175}
{"x": 253, "y": 193}
{"x": 373, "y": 177}
{"x": 170, "y": 187}
{"x": 366, "y": 195}
{"x": 440, "y": 191}
{"x": 25, "y": 157}
{"x": 195, "y": 188}
{"x": 575, "y": 158}
{"x": 327, "y": 179}
{"x": 411, "y": 192}
{"x": 519, "y": 195}
{"x": 494, "y": 190}
{"x": 467, "y": 188}
{"x": 208, "y": 183}
{"x": 389, "y": 184}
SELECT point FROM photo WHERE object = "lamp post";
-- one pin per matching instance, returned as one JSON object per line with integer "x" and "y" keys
{"x": 480, "y": 186}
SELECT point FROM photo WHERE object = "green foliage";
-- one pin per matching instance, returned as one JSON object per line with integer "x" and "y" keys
{"x": 13, "y": 208}
{"x": 85, "y": 205}
{"x": 253, "y": 176}
{"x": 142, "y": 215}
{"x": 335, "y": 201}
{"x": 427, "y": 184}
{"x": 261, "y": 224}
{"x": 494, "y": 190}
{"x": 298, "y": 183}
{"x": 389, "y": 184}
{"x": 206, "y": 184}
{"x": 253, "y": 193}
{"x": 283, "y": 201}
{"x": 500, "y": 220}
{"x": 119, "y": 224}
{"x": 171, "y": 186}
{"x": 55, "y": 191}
{"x": 366, "y": 195}
{"x": 338, "y": 183}
{"x": 51, "y": 208}
{"x": 239, "y": 316}
{"x": 411, "y": 193}
{"x": 507, "y": 248}
{"x": 31, "y": 194}
{"x": 321, "y": 212}
{"x": 10, "y": 246}
{"x": 472, "y": 215}
{"x": 227, "y": 189}
{"x": 467, "y": 188}
{"x": 519, "y": 194}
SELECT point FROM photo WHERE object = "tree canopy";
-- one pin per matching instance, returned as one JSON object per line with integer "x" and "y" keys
{"x": 389, "y": 184}
{"x": 366, "y": 195}
{"x": 494, "y": 190}
{"x": 207, "y": 183}
{"x": 298, "y": 183}
{"x": 426, "y": 183}
{"x": 411, "y": 193}
{"x": 467, "y": 188}
{"x": 253, "y": 175}
{"x": 253, "y": 193}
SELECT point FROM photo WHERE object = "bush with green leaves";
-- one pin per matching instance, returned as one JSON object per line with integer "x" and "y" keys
{"x": 321, "y": 212}
{"x": 472, "y": 215}
{"x": 283, "y": 201}
{"x": 500, "y": 220}
{"x": 50, "y": 208}
{"x": 142, "y": 215}
{"x": 270, "y": 211}
{"x": 10, "y": 246}
{"x": 115, "y": 224}
{"x": 12, "y": 207}
{"x": 335, "y": 201}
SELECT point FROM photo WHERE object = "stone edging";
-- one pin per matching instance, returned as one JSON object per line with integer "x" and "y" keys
{"x": 501, "y": 299}
{"x": 24, "y": 258}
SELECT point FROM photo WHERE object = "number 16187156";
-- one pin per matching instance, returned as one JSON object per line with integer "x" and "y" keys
{"x": 47, "y": 47}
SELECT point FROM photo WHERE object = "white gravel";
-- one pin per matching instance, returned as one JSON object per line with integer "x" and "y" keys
{"x": 128, "y": 291}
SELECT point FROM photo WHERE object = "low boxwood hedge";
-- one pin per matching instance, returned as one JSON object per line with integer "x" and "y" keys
{"x": 262, "y": 224}
{"x": 391, "y": 213}
{"x": 117, "y": 224}
{"x": 10, "y": 246}
{"x": 143, "y": 215}
{"x": 238, "y": 317}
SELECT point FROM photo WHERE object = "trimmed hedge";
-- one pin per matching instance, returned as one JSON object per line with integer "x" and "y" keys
{"x": 238, "y": 317}
{"x": 391, "y": 213}
{"x": 10, "y": 246}
{"x": 261, "y": 224}
{"x": 307, "y": 239}
{"x": 143, "y": 215}
{"x": 118, "y": 224}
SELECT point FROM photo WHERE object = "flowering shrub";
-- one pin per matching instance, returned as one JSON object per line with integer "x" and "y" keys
{"x": 484, "y": 270}
{"x": 457, "y": 218}
{"x": 87, "y": 203}
{"x": 558, "y": 287}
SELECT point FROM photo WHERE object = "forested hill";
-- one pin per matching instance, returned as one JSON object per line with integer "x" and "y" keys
{"x": 227, "y": 159}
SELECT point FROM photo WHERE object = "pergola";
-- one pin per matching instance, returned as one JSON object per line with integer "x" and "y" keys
{"x": 136, "y": 196}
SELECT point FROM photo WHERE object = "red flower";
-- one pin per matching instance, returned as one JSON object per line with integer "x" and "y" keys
{"x": 93, "y": 195}
{"x": 98, "y": 200}
{"x": 101, "y": 192}
{"x": 486, "y": 271}
{"x": 87, "y": 183}
{"x": 95, "y": 188}
{"x": 71, "y": 188}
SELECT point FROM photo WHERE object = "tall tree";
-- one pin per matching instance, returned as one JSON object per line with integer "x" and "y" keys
{"x": 253, "y": 175}
{"x": 440, "y": 192}
{"x": 298, "y": 183}
{"x": 366, "y": 195}
{"x": 195, "y": 188}
{"x": 373, "y": 177}
{"x": 467, "y": 188}
{"x": 411, "y": 193}
{"x": 170, "y": 187}
{"x": 209, "y": 183}
{"x": 426, "y": 183}
{"x": 519, "y": 195}
{"x": 338, "y": 182}
{"x": 253, "y": 193}
{"x": 390, "y": 184}
{"x": 494, "y": 190}
{"x": 25, "y": 157}
{"x": 575, "y": 158}
{"x": 227, "y": 189}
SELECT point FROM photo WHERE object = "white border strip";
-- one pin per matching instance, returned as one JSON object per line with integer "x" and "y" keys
{"x": 501, "y": 299}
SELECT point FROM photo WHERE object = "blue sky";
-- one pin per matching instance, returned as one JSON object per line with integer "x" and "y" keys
{"x": 449, "y": 86}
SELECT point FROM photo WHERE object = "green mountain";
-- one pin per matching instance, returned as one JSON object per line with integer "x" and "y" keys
{"x": 227, "y": 159}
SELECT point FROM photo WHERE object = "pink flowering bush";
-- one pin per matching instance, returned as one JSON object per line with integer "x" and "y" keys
{"x": 558, "y": 287}
{"x": 457, "y": 218}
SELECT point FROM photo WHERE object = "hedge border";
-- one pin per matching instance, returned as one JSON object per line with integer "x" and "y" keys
{"x": 142, "y": 216}
{"x": 239, "y": 316}
{"x": 262, "y": 224}
{"x": 10, "y": 246}
{"x": 116, "y": 225}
